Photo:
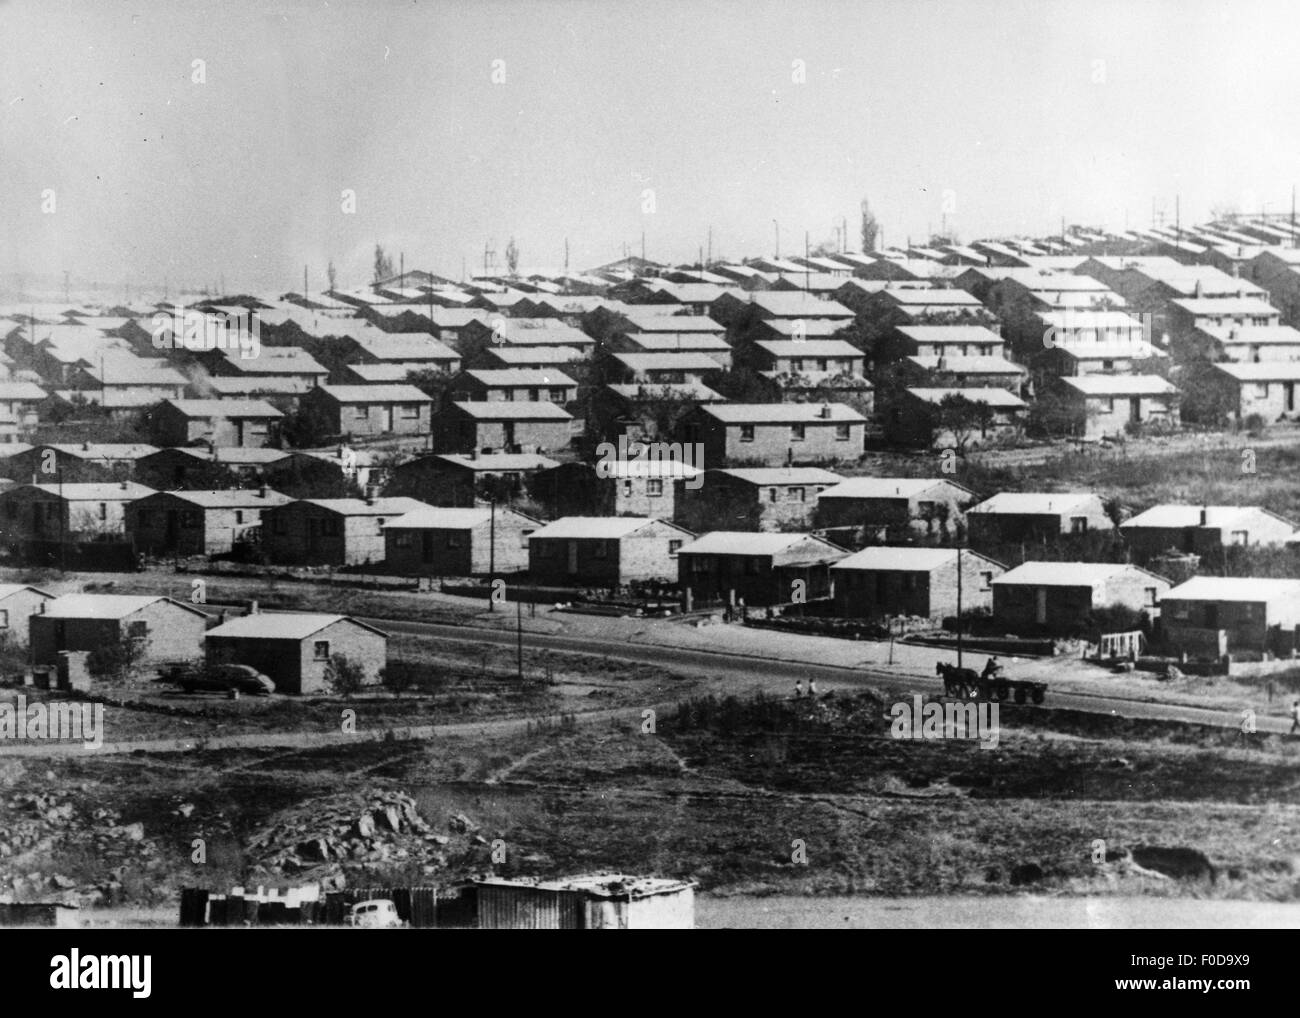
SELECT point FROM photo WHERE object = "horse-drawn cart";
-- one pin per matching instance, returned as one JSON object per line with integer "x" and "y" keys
{"x": 968, "y": 684}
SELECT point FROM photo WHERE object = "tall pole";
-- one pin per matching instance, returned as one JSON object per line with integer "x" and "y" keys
{"x": 807, "y": 275}
{"x": 519, "y": 635}
{"x": 959, "y": 606}
{"x": 710, "y": 261}
{"x": 492, "y": 553}
{"x": 778, "y": 237}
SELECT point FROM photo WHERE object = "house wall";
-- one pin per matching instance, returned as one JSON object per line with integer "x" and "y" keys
{"x": 473, "y": 554}
{"x": 361, "y": 420}
{"x": 994, "y": 528}
{"x": 171, "y": 427}
{"x": 1268, "y": 399}
{"x": 174, "y": 634}
{"x": 1098, "y": 416}
{"x": 26, "y": 514}
{"x": 1184, "y": 623}
{"x": 1016, "y": 606}
{"x": 772, "y": 444}
{"x": 456, "y": 433}
{"x": 891, "y": 512}
{"x": 15, "y": 612}
{"x": 347, "y": 540}
{"x": 358, "y": 644}
{"x": 873, "y": 593}
{"x": 746, "y": 506}
{"x": 641, "y": 556}
{"x": 754, "y": 578}
{"x": 197, "y": 531}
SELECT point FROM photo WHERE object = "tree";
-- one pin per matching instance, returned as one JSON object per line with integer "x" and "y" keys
{"x": 306, "y": 428}
{"x": 116, "y": 659}
{"x": 963, "y": 418}
{"x": 383, "y": 264}
{"x": 870, "y": 228}
{"x": 331, "y": 274}
{"x": 344, "y": 676}
{"x": 1208, "y": 397}
{"x": 433, "y": 383}
{"x": 397, "y": 677}
{"x": 512, "y": 257}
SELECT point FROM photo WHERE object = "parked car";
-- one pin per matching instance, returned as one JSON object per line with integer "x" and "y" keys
{"x": 220, "y": 679}
{"x": 374, "y": 914}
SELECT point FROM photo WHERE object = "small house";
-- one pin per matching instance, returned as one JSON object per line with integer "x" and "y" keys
{"x": 501, "y": 426}
{"x": 162, "y": 630}
{"x": 229, "y": 422}
{"x": 1058, "y": 597}
{"x": 1031, "y": 516}
{"x": 605, "y": 551}
{"x": 1209, "y": 616}
{"x": 199, "y": 522}
{"x": 1204, "y": 530}
{"x": 18, "y": 603}
{"x": 885, "y": 506}
{"x": 756, "y": 498}
{"x": 440, "y": 541}
{"x": 775, "y": 434}
{"x": 369, "y": 410}
{"x": 883, "y": 582}
{"x": 294, "y": 650}
{"x": 331, "y": 531}
{"x": 757, "y": 568}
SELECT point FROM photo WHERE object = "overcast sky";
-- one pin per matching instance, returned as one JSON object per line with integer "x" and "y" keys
{"x": 1024, "y": 112}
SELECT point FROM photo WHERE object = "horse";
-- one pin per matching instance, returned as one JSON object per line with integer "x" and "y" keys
{"x": 957, "y": 682}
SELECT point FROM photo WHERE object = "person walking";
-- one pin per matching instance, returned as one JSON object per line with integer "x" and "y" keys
{"x": 1295, "y": 718}
{"x": 812, "y": 688}
{"x": 798, "y": 688}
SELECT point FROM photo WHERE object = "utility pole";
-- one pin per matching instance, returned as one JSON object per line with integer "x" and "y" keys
{"x": 844, "y": 234}
{"x": 959, "y": 606}
{"x": 519, "y": 634}
{"x": 67, "y": 291}
{"x": 778, "y": 237}
{"x": 566, "y": 256}
{"x": 304, "y": 283}
{"x": 401, "y": 268}
{"x": 807, "y": 275}
{"x": 492, "y": 554}
{"x": 1178, "y": 225}
{"x": 710, "y": 261}
{"x": 643, "y": 247}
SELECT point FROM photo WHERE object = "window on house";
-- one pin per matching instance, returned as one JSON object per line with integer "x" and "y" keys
{"x": 533, "y": 395}
{"x": 402, "y": 539}
{"x": 410, "y": 411}
{"x": 600, "y": 550}
{"x": 673, "y": 546}
{"x": 523, "y": 538}
{"x": 1261, "y": 390}
{"x": 798, "y": 432}
{"x": 453, "y": 540}
{"x": 1078, "y": 524}
{"x": 654, "y": 487}
{"x": 1107, "y": 365}
{"x": 360, "y": 412}
{"x": 842, "y": 433}
{"x": 557, "y": 395}
{"x": 239, "y": 516}
{"x": 4, "y": 618}
{"x": 320, "y": 650}
{"x": 1151, "y": 594}
{"x": 627, "y": 489}
{"x": 821, "y": 363}
{"x": 772, "y": 494}
{"x": 747, "y": 432}
{"x": 103, "y": 511}
{"x": 796, "y": 364}
{"x": 986, "y": 579}
{"x": 1107, "y": 404}
{"x": 796, "y": 494}
{"x": 137, "y": 630}
{"x": 1240, "y": 537}
{"x": 924, "y": 508}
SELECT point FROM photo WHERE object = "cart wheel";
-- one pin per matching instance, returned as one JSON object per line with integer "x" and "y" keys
{"x": 1039, "y": 694}
{"x": 1021, "y": 696}
{"x": 1003, "y": 690}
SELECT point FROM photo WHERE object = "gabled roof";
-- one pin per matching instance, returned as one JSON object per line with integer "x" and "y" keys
{"x": 228, "y": 454}
{"x": 91, "y": 491}
{"x": 888, "y": 487}
{"x": 1254, "y": 335}
{"x": 21, "y": 390}
{"x": 780, "y": 475}
{"x": 666, "y": 342}
{"x": 1069, "y": 574}
{"x": 600, "y": 527}
{"x": 503, "y": 461}
{"x": 950, "y": 334}
{"x": 521, "y": 377}
{"x": 228, "y": 498}
{"x": 906, "y": 559}
{"x": 666, "y": 390}
{"x": 1225, "y": 306}
{"x": 513, "y": 410}
{"x": 685, "y": 361}
{"x": 106, "y": 606}
{"x": 535, "y": 354}
{"x": 10, "y": 589}
{"x": 1033, "y": 503}
{"x": 224, "y": 407}
{"x": 283, "y": 626}
{"x": 1261, "y": 371}
{"x": 782, "y": 413}
{"x": 1251, "y": 589}
{"x": 737, "y": 542}
{"x": 392, "y": 506}
{"x": 375, "y": 393}
{"x": 1120, "y": 385}
{"x": 809, "y": 348}
{"x": 1174, "y": 516}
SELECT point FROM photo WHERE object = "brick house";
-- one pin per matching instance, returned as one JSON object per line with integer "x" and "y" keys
{"x": 774, "y": 434}
{"x": 199, "y": 522}
{"x": 893, "y": 506}
{"x": 880, "y": 582}
{"x": 199, "y": 467}
{"x": 1204, "y": 530}
{"x": 947, "y": 341}
{"x": 605, "y": 551}
{"x": 251, "y": 423}
{"x": 331, "y": 531}
{"x": 654, "y": 488}
{"x": 914, "y": 417}
{"x": 520, "y": 385}
{"x": 368, "y": 410}
{"x": 758, "y": 568}
{"x": 1266, "y": 388}
{"x": 1110, "y": 404}
{"x": 18, "y": 603}
{"x": 448, "y": 479}
{"x": 294, "y": 650}
{"x": 87, "y": 461}
{"x": 66, "y": 512}
{"x": 712, "y": 346}
{"x": 1246, "y": 343}
{"x": 640, "y": 411}
{"x": 1057, "y": 597}
{"x": 500, "y": 426}
{"x": 1188, "y": 315}
{"x": 1209, "y": 616}
{"x": 756, "y": 498}
{"x": 458, "y": 542}
{"x": 18, "y": 408}
{"x": 1027, "y": 516}
{"x": 168, "y": 631}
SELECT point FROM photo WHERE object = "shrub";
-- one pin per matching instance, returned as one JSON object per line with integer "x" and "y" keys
{"x": 344, "y": 676}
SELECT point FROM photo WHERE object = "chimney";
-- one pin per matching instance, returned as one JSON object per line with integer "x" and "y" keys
{"x": 85, "y": 447}
{"x": 826, "y": 411}
{"x": 1205, "y": 515}
{"x": 372, "y": 492}
{"x": 124, "y": 484}
{"x": 253, "y": 609}
{"x": 1199, "y": 291}
{"x": 261, "y": 491}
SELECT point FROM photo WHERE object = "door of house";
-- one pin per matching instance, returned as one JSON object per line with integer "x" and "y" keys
{"x": 573, "y": 558}
{"x": 1288, "y": 392}
{"x": 509, "y": 429}
{"x": 1211, "y": 616}
{"x": 426, "y": 546}
{"x": 171, "y": 528}
{"x": 313, "y": 534}
{"x": 1040, "y": 606}
{"x": 386, "y": 418}
{"x": 1135, "y": 409}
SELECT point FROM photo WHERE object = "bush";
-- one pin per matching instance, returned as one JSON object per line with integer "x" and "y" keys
{"x": 115, "y": 660}
{"x": 344, "y": 676}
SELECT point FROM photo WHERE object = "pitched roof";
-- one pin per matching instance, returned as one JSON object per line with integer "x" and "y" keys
{"x": 521, "y": 377}
{"x": 887, "y": 487}
{"x": 392, "y": 506}
{"x": 513, "y": 410}
{"x": 1233, "y": 588}
{"x": 224, "y": 407}
{"x": 685, "y": 361}
{"x": 809, "y": 348}
{"x": 1261, "y": 371}
{"x": 781, "y": 475}
{"x": 10, "y": 589}
{"x": 497, "y": 461}
{"x": 92, "y": 491}
{"x": 1173, "y": 516}
{"x": 782, "y": 413}
{"x": 228, "y": 498}
{"x": 1225, "y": 306}
{"x": 950, "y": 334}
{"x": 283, "y": 625}
{"x": 595, "y": 527}
{"x": 105, "y": 606}
{"x": 375, "y": 393}
{"x": 902, "y": 559}
{"x": 1033, "y": 503}
{"x": 1068, "y": 574}
{"x": 535, "y": 354}
{"x": 1120, "y": 385}
{"x": 737, "y": 542}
